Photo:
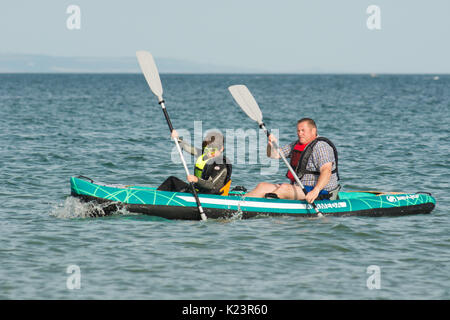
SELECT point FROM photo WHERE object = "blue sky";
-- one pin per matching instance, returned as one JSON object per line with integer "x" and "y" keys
{"x": 274, "y": 36}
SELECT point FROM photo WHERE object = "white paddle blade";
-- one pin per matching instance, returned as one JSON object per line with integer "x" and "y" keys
{"x": 246, "y": 101}
{"x": 150, "y": 72}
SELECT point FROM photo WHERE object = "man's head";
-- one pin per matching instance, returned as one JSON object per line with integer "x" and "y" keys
{"x": 213, "y": 144}
{"x": 306, "y": 130}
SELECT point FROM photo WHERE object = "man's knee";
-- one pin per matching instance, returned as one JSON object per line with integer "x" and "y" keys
{"x": 288, "y": 191}
{"x": 284, "y": 189}
{"x": 265, "y": 185}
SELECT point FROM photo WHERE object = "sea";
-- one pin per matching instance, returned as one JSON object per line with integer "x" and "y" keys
{"x": 392, "y": 133}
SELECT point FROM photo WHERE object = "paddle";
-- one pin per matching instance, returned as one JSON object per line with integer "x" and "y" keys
{"x": 247, "y": 102}
{"x": 151, "y": 74}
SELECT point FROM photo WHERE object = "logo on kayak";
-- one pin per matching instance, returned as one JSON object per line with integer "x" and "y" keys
{"x": 331, "y": 205}
{"x": 405, "y": 197}
{"x": 391, "y": 198}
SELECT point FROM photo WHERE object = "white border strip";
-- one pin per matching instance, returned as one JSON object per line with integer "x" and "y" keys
{"x": 249, "y": 204}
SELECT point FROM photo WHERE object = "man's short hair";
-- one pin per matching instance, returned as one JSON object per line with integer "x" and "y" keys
{"x": 309, "y": 121}
{"x": 214, "y": 139}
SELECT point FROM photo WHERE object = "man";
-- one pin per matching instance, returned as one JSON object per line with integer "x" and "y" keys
{"x": 313, "y": 158}
{"x": 212, "y": 169}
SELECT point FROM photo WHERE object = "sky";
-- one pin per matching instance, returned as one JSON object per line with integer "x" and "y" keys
{"x": 283, "y": 36}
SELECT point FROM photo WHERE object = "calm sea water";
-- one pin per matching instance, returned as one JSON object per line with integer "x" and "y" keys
{"x": 392, "y": 133}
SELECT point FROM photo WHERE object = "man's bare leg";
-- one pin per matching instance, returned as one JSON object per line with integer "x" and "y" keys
{"x": 263, "y": 188}
{"x": 289, "y": 191}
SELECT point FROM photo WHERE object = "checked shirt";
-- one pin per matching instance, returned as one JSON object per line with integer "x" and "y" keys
{"x": 322, "y": 153}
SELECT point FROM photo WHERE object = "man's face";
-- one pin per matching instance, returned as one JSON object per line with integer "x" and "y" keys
{"x": 213, "y": 152}
{"x": 305, "y": 132}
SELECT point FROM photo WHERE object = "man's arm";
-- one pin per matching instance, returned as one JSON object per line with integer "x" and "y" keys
{"x": 273, "y": 153}
{"x": 186, "y": 146}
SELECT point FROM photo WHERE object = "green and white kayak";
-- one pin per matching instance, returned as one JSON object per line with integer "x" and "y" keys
{"x": 177, "y": 205}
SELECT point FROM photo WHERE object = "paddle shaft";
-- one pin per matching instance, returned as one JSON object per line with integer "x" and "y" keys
{"x": 262, "y": 126}
{"x": 151, "y": 74}
{"x": 194, "y": 192}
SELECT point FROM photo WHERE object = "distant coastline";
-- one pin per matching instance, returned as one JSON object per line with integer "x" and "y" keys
{"x": 35, "y": 63}
{"x": 40, "y": 63}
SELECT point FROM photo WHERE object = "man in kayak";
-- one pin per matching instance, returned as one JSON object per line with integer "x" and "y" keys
{"x": 212, "y": 170}
{"x": 313, "y": 158}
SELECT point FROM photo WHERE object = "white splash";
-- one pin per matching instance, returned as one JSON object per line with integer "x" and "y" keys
{"x": 73, "y": 207}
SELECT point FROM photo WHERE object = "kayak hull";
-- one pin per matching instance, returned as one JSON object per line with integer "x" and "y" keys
{"x": 182, "y": 206}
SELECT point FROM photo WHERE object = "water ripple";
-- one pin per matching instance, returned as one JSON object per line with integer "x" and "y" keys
{"x": 57, "y": 126}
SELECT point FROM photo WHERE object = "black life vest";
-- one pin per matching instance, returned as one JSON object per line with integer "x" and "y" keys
{"x": 299, "y": 158}
{"x": 206, "y": 169}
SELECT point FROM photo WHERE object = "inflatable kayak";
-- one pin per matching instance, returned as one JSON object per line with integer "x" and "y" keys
{"x": 177, "y": 205}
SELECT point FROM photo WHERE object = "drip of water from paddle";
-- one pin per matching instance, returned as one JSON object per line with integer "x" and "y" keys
{"x": 238, "y": 214}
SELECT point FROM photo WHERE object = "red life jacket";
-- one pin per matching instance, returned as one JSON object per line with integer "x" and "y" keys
{"x": 295, "y": 157}
{"x": 300, "y": 155}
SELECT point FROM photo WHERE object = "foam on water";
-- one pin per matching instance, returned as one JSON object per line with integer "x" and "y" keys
{"x": 73, "y": 208}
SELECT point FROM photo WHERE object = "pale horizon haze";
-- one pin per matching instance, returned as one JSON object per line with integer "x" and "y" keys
{"x": 324, "y": 36}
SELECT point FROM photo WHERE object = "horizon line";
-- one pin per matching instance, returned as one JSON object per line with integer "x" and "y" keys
{"x": 372, "y": 74}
